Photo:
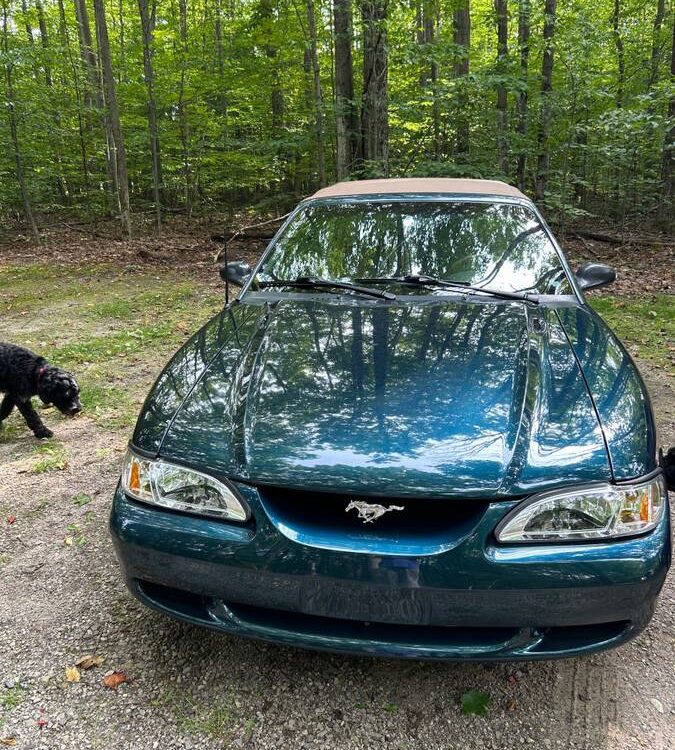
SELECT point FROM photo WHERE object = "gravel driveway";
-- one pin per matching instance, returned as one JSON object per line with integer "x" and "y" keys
{"x": 61, "y": 598}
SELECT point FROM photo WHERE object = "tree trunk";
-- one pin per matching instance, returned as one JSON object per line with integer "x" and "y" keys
{"x": 620, "y": 61}
{"x": 10, "y": 103}
{"x": 110, "y": 99}
{"x": 318, "y": 99}
{"x": 541, "y": 182}
{"x": 148, "y": 16}
{"x": 462, "y": 38}
{"x": 44, "y": 39}
{"x": 220, "y": 61}
{"x": 183, "y": 119}
{"x": 521, "y": 106}
{"x": 426, "y": 32}
{"x": 277, "y": 104}
{"x": 87, "y": 50}
{"x": 428, "y": 22}
{"x": 93, "y": 98}
{"x": 122, "y": 47}
{"x": 56, "y": 118}
{"x": 375, "y": 104}
{"x": 502, "y": 63}
{"x": 656, "y": 44}
{"x": 346, "y": 119}
{"x": 668, "y": 158}
{"x": 65, "y": 43}
{"x": 436, "y": 109}
{"x": 27, "y": 26}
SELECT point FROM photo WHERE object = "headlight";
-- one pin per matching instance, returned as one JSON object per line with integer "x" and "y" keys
{"x": 176, "y": 487}
{"x": 604, "y": 511}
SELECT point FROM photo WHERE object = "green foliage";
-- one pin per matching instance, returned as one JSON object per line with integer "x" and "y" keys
{"x": 8, "y": 432}
{"x": 222, "y": 144}
{"x": 12, "y": 697}
{"x": 215, "y": 720}
{"x": 51, "y": 456}
{"x": 81, "y": 499}
{"x": 475, "y": 702}
{"x": 75, "y": 535}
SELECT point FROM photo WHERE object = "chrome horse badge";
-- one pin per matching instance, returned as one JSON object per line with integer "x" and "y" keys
{"x": 368, "y": 512}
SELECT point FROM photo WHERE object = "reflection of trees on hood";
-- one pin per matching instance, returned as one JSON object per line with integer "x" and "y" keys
{"x": 615, "y": 387}
{"x": 379, "y": 380}
{"x": 183, "y": 371}
{"x": 383, "y": 392}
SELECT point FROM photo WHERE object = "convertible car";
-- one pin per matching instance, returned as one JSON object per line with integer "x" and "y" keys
{"x": 408, "y": 436}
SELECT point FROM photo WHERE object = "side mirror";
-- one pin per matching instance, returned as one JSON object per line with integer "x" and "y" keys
{"x": 593, "y": 275}
{"x": 235, "y": 272}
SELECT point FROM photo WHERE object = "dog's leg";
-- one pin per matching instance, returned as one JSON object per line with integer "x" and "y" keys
{"x": 33, "y": 420}
{"x": 6, "y": 406}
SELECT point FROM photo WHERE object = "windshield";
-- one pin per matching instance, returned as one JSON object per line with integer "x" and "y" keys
{"x": 493, "y": 245}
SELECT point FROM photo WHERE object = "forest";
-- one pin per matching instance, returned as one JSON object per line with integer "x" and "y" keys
{"x": 141, "y": 109}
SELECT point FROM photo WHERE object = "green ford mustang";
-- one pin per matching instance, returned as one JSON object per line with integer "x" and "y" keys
{"x": 408, "y": 436}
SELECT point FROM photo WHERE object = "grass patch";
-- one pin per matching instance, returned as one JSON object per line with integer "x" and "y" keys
{"x": 214, "y": 720}
{"x": 646, "y": 326}
{"x": 75, "y": 535}
{"x": 101, "y": 348}
{"x": 118, "y": 308}
{"x": 12, "y": 697}
{"x": 81, "y": 499}
{"x": 131, "y": 299}
{"x": 51, "y": 455}
{"x": 30, "y": 287}
{"x": 8, "y": 432}
{"x": 112, "y": 329}
{"x": 111, "y": 406}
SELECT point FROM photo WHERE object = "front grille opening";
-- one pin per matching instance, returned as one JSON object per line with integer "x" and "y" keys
{"x": 423, "y": 635}
{"x": 463, "y": 641}
{"x": 421, "y": 521}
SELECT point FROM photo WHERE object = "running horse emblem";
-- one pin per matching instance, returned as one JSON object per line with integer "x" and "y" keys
{"x": 369, "y": 512}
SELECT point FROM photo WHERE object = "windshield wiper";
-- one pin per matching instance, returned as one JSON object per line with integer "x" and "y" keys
{"x": 421, "y": 280}
{"x": 312, "y": 282}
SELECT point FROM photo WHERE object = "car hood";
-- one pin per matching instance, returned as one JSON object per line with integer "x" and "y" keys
{"x": 429, "y": 396}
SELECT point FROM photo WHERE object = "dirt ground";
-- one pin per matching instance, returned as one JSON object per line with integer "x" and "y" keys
{"x": 61, "y": 598}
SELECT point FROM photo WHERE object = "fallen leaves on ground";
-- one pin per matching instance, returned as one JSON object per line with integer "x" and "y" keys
{"x": 639, "y": 266}
{"x": 114, "y": 680}
{"x": 89, "y": 661}
{"x": 475, "y": 702}
{"x": 8, "y": 741}
{"x": 72, "y": 674}
{"x": 11, "y": 519}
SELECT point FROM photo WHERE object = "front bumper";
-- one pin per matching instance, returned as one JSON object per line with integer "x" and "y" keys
{"x": 477, "y": 600}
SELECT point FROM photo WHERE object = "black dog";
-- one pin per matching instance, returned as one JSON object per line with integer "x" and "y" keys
{"x": 668, "y": 464}
{"x": 24, "y": 375}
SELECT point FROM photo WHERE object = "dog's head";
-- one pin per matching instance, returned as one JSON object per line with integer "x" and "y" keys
{"x": 59, "y": 388}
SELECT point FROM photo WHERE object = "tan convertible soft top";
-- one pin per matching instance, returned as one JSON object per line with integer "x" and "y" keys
{"x": 416, "y": 185}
